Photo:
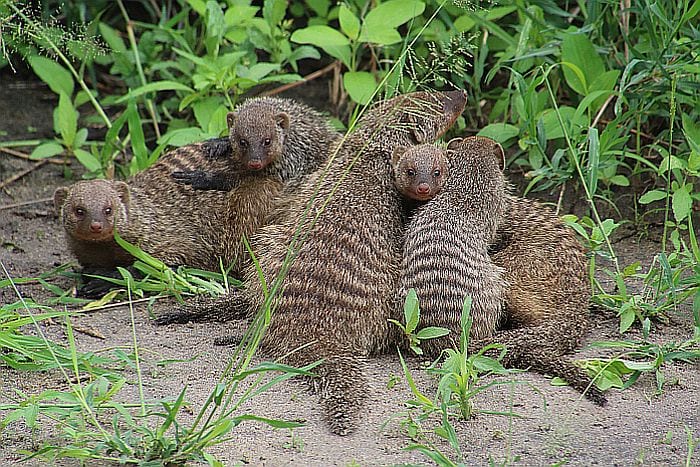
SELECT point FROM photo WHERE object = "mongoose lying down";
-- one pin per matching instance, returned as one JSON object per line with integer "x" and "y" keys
{"x": 536, "y": 267}
{"x": 333, "y": 256}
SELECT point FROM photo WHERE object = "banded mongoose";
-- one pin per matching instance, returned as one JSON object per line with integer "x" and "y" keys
{"x": 334, "y": 254}
{"x": 445, "y": 253}
{"x": 270, "y": 136}
{"x": 161, "y": 216}
{"x": 546, "y": 293}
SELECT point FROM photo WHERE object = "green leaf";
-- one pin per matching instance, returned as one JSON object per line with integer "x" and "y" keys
{"x": 552, "y": 128}
{"x": 66, "y": 117}
{"x": 499, "y": 132}
{"x": 381, "y": 22}
{"x": 273, "y": 11}
{"x": 682, "y": 202}
{"x": 593, "y": 160}
{"x": 88, "y": 160}
{"x": 626, "y": 319}
{"x": 411, "y": 310}
{"x": 619, "y": 180}
{"x": 577, "y": 50}
{"x": 432, "y": 332}
{"x": 58, "y": 78}
{"x": 331, "y": 41}
{"x": 349, "y": 23}
{"x": 360, "y": 85}
{"x": 46, "y": 150}
{"x": 154, "y": 87}
{"x": 651, "y": 196}
{"x": 691, "y": 130}
{"x": 112, "y": 38}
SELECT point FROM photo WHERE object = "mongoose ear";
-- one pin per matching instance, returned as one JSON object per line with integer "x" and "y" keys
{"x": 500, "y": 156}
{"x": 231, "y": 118}
{"x": 454, "y": 143}
{"x": 282, "y": 119}
{"x": 396, "y": 155}
{"x": 123, "y": 192}
{"x": 59, "y": 198}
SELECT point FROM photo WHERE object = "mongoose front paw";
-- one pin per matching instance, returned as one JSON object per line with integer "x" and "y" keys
{"x": 198, "y": 179}
{"x": 175, "y": 317}
{"x": 95, "y": 288}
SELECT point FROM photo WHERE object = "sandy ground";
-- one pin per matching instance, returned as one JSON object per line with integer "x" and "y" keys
{"x": 556, "y": 427}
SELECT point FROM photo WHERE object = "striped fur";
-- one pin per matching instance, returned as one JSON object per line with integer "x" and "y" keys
{"x": 343, "y": 230}
{"x": 446, "y": 243}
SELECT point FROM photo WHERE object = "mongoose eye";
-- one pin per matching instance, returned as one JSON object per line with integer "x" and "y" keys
{"x": 437, "y": 173}
{"x": 243, "y": 143}
{"x": 80, "y": 212}
{"x": 108, "y": 211}
{"x": 411, "y": 173}
{"x": 267, "y": 142}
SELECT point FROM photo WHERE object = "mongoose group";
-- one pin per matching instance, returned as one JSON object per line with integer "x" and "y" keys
{"x": 326, "y": 218}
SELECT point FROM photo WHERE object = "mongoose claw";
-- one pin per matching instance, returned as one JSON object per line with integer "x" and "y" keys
{"x": 217, "y": 148}
{"x": 200, "y": 180}
{"x": 94, "y": 288}
{"x": 227, "y": 340}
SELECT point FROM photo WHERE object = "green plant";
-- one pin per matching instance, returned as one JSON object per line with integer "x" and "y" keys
{"x": 639, "y": 357}
{"x": 459, "y": 382}
{"x": 411, "y": 312}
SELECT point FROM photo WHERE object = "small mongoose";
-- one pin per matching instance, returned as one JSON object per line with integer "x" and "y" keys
{"x": 445, "y": 253}
{"x": 271, "y": 136}
{"x": 161, "y": 216}
{"x": 334, "y": 254}
{"x": 546, "y": 291}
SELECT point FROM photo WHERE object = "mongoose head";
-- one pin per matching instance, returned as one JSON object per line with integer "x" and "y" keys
{"x": 414, "y": 118}
{"x": 257, "y": 134}
{"x": 486, "y": 150}
{"x": 90, "y": 210}
{"x": 419, "y": 171}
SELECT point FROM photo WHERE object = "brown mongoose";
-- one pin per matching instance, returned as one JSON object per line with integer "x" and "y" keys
{"x": 272, "y": 136}
{"x": 334, "y": 255}
{"x": 163, "y": 217}
{"x": 445, "y": 253}
{"x": 546, "y": 293}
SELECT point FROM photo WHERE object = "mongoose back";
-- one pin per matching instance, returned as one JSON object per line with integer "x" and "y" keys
{"x": 445, "y": 254}
{"x": 334, "y": 255}
{"x": 546, "y": 293}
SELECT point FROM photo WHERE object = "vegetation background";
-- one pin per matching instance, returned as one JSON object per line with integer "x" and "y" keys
{"x": 595, "y": 102}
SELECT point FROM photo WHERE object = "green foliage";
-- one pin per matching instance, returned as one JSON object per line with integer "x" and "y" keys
{"x": 411, "y": 312}
{"x": 460, "y": 376}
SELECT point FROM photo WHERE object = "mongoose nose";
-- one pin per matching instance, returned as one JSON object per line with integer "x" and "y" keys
{"x": 255, "y": 165}
{"x": 456, "y": 101}
{"x": 423, "y": 189}
{"x": 96, "y": 227}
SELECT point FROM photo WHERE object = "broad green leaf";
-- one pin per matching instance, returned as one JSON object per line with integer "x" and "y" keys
{"x": 626, "y": 319}
{"x": 431, "y": 332}
{"x": 682, "y": 202}
{"x": 691, "y": 129}
{"x": 273, "y": 11}
{"x": 619, "y": 180}
{"x": 66, "y": 118}
{"x": 58, "y": 78}
{"x": 88, "y": 160}
{"x": 258, "y": 71}
{"x": 604, "y": 82}
{"x": 331, "y": 41}
{"x": 216, "y": 27}
{"x": 349, "y": 23}
{"x": 138, "y": 140}
{"x": 154, "y": 87}
{"x": 552, "y": 128}
{"x": 500, "y": 132}
{"x": 46, "y": 150}
{"x": 112, "y": 38}
{"x": 578, "y": 50}
{"x": 380, "y": 23}
{"x": 360, "y": 85}
{"x": 199, "y": 6}
{"x": 411, "y": 310}
{"x": 466, "y": 22}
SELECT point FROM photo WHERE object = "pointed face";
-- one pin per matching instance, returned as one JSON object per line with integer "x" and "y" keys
{"x": 420, "y": 171}
{"x": 90, "y": 209}
{"x": 257, "y": 136}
